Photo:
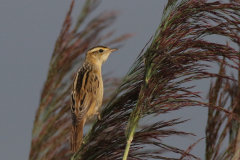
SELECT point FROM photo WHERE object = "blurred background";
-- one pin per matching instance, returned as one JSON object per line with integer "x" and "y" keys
{"x": 28, "y": 32}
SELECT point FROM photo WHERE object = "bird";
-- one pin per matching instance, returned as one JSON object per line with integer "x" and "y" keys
{"x": 87, "y": 92}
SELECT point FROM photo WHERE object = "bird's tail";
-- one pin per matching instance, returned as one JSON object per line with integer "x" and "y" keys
{"x": 76, "y": 137}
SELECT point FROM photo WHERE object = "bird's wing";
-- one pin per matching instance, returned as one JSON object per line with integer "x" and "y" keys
{"x": 83, "y": 96}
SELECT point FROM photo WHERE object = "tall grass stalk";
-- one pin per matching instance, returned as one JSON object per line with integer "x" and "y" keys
{"x": 154, "y": 85}
{"x": 50, "y": 134}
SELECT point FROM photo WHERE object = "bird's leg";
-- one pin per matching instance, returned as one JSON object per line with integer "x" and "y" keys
{"x": 99, "y": 116}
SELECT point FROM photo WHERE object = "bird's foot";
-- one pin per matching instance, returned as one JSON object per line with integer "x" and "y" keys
{"x": 99, "y": 116}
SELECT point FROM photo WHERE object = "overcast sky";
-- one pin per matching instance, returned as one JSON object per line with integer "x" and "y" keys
{"x": 28, "y": 33}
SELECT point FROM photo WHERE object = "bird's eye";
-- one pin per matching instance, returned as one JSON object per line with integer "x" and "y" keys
{"x": 100, "y": 50}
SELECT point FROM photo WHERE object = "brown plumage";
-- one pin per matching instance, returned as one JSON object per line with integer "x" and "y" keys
{"x": 87, "y": 92}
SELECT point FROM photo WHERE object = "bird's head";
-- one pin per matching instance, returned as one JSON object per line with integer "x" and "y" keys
{"x": 98, "y": 54}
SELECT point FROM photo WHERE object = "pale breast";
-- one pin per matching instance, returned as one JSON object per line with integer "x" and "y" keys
{"x": 98, "y": 101}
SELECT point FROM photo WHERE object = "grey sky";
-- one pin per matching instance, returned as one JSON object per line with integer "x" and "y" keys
{"x": 28, "y": 33}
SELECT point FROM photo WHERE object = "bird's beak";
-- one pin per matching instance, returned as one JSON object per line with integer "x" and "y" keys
{"x": 113, "y": 49}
